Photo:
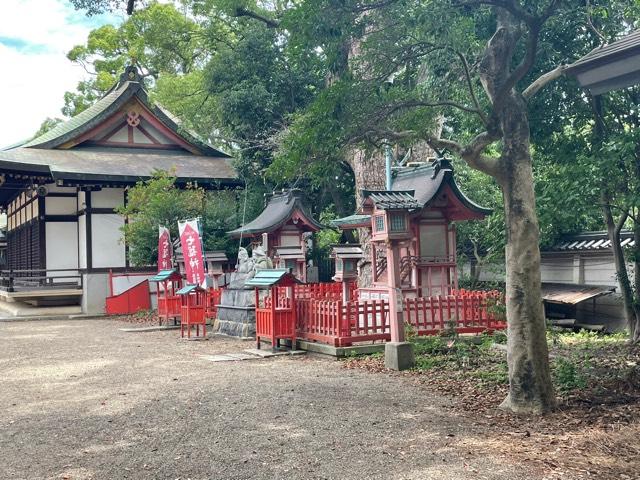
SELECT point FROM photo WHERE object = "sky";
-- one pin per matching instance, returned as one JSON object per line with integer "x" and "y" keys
{"x": 35, "y": 36}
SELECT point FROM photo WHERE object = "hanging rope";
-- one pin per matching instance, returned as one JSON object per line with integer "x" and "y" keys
{"x": 244, "y": 212}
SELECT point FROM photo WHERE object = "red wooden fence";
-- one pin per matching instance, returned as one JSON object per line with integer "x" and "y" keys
{"x": 341, "y": 323}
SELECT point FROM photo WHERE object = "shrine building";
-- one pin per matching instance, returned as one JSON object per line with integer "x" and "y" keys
{"x": 60, "y": 191}
{"x": 282, "y": 229}
{"x": 417, "y": 218}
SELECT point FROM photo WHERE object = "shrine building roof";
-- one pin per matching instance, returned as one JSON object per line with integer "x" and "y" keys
{"x": 119, "y": 140}
{"x": 430, "y": 182}
{"x": 281, "y": 208}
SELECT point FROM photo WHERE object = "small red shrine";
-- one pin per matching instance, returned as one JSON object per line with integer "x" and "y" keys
{"x": 416, "y": 217}
{"x": 282, "y": 229}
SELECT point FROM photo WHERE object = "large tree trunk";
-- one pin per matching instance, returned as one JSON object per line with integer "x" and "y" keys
{"x": 530, "y": 387}
{"x": 369, "y": 174}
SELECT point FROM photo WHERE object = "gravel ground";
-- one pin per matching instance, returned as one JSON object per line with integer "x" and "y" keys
{"x": 84, "y": 400}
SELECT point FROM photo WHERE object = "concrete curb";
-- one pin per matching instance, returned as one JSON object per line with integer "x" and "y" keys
{"x": 150, "y": 329}
{"x": 52, "y": 317}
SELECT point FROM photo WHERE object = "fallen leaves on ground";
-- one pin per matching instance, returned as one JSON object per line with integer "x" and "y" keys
{"x": 594, "y": 432}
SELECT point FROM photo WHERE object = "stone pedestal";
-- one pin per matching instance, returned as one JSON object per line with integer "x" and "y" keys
{"x": 236, "y": 312}
{"x": 398, "y": 355}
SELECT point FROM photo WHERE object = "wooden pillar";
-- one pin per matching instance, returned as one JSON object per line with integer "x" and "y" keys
{"x": 396, "y": 319}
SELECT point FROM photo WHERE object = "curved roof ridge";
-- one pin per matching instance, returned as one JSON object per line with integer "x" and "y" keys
{"x": 278, "y": 211}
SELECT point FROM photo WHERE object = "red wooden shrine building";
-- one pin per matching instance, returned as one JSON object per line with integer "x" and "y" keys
{"x": 283, "y": 228}
{"x": 413, "y": 258}
{"x": 417, "y": 217}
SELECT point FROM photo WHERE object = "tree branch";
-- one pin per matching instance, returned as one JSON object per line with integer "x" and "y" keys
{"x": 244, "y": 12}
{"x": 472, "y": 153}
{"x": 524, "y": 66}
{"x": 467, "y": 75}
{"x": 543, "y": 79}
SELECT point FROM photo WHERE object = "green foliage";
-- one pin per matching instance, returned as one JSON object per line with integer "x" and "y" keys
{"x": 159, "y": 201}
{"x": 158, "y": 38}
{"x": 48, "y": 124}
{"x": 152, "y": 203}
{"x": 567, "y": 376}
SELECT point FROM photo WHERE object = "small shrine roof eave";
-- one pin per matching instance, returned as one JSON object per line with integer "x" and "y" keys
{"x": 427, "y": 181}
{"x": 108, "y": 105}
{"x": 272, "y": 276}
{"x": 352, "y": 221}
{"x": 392, "y": 199}
{"x": 280, "y": 209}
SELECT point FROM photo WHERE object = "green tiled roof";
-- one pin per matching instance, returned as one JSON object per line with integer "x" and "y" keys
{"x": 163, "y": 275}
{"x": 268, "y": 277}
{"x": 188, "y": 289}
{"x": 129, "y": 86}
{"x": 364, "y": 220}
{"x": 94, "y": 111}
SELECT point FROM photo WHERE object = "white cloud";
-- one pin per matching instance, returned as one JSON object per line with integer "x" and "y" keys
{"x": 35, "y": 36}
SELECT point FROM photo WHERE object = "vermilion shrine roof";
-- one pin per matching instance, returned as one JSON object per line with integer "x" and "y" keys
{"x": 281, "y": 208}
{"x": 121, "y": 139}
{"x": 416, "y": 188}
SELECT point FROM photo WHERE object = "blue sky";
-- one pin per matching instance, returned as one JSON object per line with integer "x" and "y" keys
{"x": 35, "y": 36}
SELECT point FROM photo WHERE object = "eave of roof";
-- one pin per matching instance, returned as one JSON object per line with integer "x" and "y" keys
{"x": 427, "y": 182}
{"x": 590, "y": 242}
{"x": 278, "y": 212}
{"x": 97, "y": 164}
{"x": 619, "y": 48}
{"x": 269, "y": 277}
{"x": 393, "y": 199}
{"x": 572, "y": 294}
{"x": 352, "y": 221}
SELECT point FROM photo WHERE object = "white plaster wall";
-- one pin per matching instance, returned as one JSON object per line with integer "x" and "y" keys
{"x": 61, "y": 246}
{"x": 55, "y": 188}
{"x": 139, "y": 137}
{"x": 557, "y": 270}
{"x": 156, "y": 133}
{"x": 600, "y": 271}
{"x": 95, "y": 292}
{"x": 107, "y": 248}
{"x": 107, "y": 198}
{"x": 60, "y": 205}
{"x": 82, "y": 241}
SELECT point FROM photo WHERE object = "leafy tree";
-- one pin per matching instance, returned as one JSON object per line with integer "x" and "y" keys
{"x": 48, "y": 124}
{"x": 422, "y": 60}
{"x": 159, "y": 201}
{"x": 152, "y": 203}
{"x": 159, "y": 38}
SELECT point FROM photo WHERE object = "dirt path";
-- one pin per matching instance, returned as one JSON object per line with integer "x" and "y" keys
{"x": 84, "y": 400}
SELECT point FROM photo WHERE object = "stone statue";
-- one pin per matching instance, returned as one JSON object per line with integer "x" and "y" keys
{"x": 260, "y": 259}
{"x": 245, "y": 264}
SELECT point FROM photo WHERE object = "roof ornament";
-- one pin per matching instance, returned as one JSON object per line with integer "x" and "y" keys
{"x": 441, "y": 163}
{"x": 131, "y": 73}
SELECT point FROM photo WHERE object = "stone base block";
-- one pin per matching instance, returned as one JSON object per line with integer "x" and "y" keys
{"x": 234, "y": 328}
{"x": 398, "y": 355}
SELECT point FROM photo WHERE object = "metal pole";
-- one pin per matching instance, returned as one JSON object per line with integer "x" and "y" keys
{"x": 388, "y": 159}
